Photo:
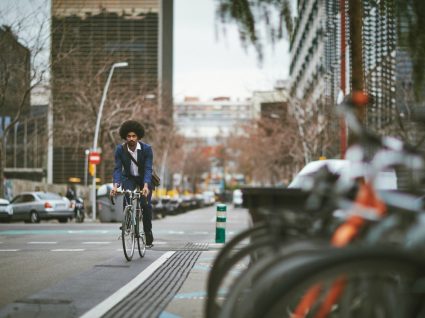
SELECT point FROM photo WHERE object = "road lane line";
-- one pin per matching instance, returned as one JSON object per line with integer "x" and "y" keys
{"x": 159, "y": 243}
{"x": 9, "y": 250}
{"x": 68, "y": 250}
{"x": 96, "y": 242}
{"x": 111, "y": 301}
{"x": 42, "y": 243}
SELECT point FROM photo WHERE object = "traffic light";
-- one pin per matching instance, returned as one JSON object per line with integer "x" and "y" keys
{"x": 92, "y": 169}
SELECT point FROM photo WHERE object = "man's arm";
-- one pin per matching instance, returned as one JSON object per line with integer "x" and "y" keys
{"x": 148, "y": 157}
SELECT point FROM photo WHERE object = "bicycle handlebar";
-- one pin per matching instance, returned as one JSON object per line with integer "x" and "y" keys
{"x": 130, "y": 192}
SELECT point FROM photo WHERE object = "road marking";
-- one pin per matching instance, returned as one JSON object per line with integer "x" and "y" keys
{"x": 42, "y": 243}
{"x": 68, "y": 250}
{"x": 166, "y": 314}
{"x": 54, "y": 232}
{"x": 198, "y": 295}
{"x": 111, "y": 301}
{"x": 216, "y": 245}
{"x": 174, "y": 232}
{"x": 8, "y": 250}
{"x": 160, "y": 243}
{"x": 97, "y": 243}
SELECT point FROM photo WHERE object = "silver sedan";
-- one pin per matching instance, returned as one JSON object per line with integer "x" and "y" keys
{"x": 35, "y": 206}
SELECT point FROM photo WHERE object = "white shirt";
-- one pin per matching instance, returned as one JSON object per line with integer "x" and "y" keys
{"x": 134, "y": 170}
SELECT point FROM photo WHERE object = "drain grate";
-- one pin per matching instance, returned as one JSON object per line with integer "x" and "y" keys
{"x": 153, "y": 295}
{"x": 187, "y": 247}
{"x": 112, "y": 266}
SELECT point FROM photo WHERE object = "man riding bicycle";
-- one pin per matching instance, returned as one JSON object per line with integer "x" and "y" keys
{"x": 133, "y": 168}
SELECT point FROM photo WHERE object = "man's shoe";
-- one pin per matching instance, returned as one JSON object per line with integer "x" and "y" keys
{"x": 149, "y": 238}
{"x": 149, "y": 245}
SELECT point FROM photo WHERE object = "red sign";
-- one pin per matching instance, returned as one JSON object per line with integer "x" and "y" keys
{"x": 94, "y": 157}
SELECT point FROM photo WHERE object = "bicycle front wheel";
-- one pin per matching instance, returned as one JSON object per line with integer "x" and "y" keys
{"x": 141, "y": 240}
{"x": 362, "y": 282}
{"x": 128, "y": 233}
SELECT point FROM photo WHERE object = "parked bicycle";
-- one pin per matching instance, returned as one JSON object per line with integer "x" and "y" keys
{"x": 131, "y": 231}
{"x": 372, "y": 266}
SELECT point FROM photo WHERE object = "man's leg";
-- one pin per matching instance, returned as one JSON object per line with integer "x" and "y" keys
{"x": 147, "y": 219}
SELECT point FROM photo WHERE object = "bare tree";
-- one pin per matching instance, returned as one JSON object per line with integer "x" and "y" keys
{"x": 316, "y": 127}
{"x": 22, "y": 66}
{"x": 268, "y": 151}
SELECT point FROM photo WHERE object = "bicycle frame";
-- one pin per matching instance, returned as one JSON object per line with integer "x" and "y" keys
{"x": 131, "y": 230}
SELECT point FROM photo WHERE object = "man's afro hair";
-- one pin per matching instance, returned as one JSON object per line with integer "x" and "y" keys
{"x": 131, "y": 126}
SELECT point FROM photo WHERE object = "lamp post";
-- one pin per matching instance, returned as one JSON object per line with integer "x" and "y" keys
{"x": 86, "y": 163}
{"x": 96, "y": 132}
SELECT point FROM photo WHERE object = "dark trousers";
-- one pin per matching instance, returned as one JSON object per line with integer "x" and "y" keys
{"x": 145, "y": 204}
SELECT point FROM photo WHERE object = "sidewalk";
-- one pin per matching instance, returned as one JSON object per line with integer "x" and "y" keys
{"x": 189, "y": 302}
{"x": 190, "y": 299}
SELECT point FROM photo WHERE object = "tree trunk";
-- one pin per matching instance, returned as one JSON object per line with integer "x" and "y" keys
{"x": 357, "y": 78}
{"x": 2, "y": 164}
{"x": 356, "y": 26}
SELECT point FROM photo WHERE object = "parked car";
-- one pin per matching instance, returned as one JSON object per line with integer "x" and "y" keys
{"x": 35, "y": 206}
{"x": 158, "y": 206}
{"x": 4, "y": 213}
{"x": 209, "y": 197}
{"x": 237, "y": 198}
{"x": 174, "y": 205}
{"x": 386, "y": 180}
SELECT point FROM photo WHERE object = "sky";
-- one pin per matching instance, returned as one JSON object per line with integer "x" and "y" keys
{"x": 208, "y": 63}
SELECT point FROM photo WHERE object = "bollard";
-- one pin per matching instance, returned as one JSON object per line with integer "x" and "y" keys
{"x": 220, "y": 227}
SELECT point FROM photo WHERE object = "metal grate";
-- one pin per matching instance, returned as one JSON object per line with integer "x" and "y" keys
{"x": 151, "y": 297}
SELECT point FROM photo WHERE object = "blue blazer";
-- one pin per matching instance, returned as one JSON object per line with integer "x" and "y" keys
{"x": 122, "y": 170}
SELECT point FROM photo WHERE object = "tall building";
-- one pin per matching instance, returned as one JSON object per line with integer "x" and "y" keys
{"x": 321, "y": 64}
{"x": 88, "y": 36}
{"x": 14, "y": 74}
{"x": 307, "y": 49}
{"x": 24, "y": 155}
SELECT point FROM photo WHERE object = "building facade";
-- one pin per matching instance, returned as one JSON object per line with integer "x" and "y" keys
{"x": 209, "y": 120}
{"x": 321, "y": 65}
{"x": 15, "y": 74}
{"x": 25, "y": 141}
{"x": 87, "y": 38}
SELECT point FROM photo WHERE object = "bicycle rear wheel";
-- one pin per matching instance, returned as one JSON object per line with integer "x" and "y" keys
{"x": 364, "y": 282}
{"x": 128, "y": 233}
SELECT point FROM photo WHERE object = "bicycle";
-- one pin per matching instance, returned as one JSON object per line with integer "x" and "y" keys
{"x": 130, "y": 228}
{"x": 354, "y": 281}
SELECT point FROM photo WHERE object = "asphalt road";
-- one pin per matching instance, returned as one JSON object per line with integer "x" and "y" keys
{"x": 34, "y": 257}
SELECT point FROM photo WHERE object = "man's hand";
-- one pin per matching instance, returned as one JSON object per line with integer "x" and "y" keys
{"x": 145, "y": 190}
{"x": 114, "y": 190}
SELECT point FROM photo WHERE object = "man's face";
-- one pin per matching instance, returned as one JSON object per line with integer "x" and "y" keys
{"x": 132, "y": 139}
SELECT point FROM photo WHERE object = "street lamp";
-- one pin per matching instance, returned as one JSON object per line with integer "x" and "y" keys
{"x": 96, "y": 132}
{"x": 86, "y": 162}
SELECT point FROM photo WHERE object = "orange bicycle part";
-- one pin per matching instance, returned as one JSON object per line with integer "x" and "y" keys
{"x": 344, "y": 234}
